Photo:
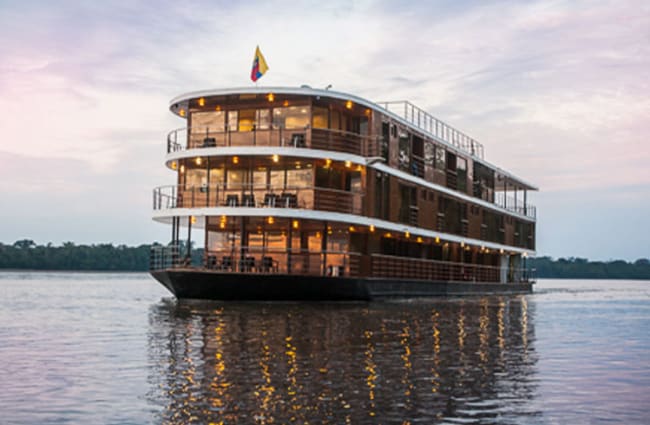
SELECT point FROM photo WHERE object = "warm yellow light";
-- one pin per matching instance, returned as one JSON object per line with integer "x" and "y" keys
{"x": 328, "y": 162}
{"x": 367, "y": 111}
{"x": 285, "y": 103}
{"x": 351, "y": 229}
{"x": 222, "y": 225}
{"x": 235, "y": 160}
{"x": 462, "y": 244}
{"x": 407, "y": 234}
{"x": 348, "y": 104}
{"x": 193, "y": 219}
{"x": 388, "y": 235}
{"x": 419, "y": 239}
{"x": 198, "y": 160}
{"x": 348, "y": 164}
{"x": 174, "y": 165}
{"x": 276, "y": 158}
{"x": 182, "y": 168}
{"x": 201, "y": 102}
{"x": 501, "y": 251}
{"x": 487, "y": 250}
{"x": 318, "y": 235}
{"x": 270, "y": 220}
{"x": 181, "y": 112}
{"x": 217, "y": 108}
{"x": 372, "y": 227}
{"x": 437, "y": 239}
{"x": 295, "y": 224}
{"x": 270, "y": 97}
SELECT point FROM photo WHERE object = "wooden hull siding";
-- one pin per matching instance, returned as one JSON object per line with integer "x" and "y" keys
{"x": 447, "y": 222}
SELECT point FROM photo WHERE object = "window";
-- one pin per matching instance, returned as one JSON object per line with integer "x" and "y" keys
{"x": 319, "y": 118}
{"x": 246, "y": 119}
{"x": 204, "y": 122}
{"x": 440, "y": 157}
{"x": 291, "y": 117}
{"x": 232, "y": 120}
{"x": 263, "y": 119}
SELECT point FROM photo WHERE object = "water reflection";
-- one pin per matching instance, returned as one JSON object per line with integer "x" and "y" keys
{"x": 470, "y": 360}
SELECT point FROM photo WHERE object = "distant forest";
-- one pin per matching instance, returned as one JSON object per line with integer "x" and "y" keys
{"x": 26, "y": 255}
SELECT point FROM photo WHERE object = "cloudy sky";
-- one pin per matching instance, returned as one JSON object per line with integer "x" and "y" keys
{"x": 557, "y": 91}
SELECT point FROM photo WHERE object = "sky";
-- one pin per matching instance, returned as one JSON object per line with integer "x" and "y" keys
{"x": 558, "y": 92}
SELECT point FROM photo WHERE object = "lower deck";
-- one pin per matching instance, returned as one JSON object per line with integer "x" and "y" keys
{"x": 217, "y": 285}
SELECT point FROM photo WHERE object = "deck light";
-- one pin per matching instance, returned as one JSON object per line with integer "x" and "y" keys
{"x": 222, "y": 225}
{"x": 351, "y": 229}
{"x": 328, "y": 162}
{"x": 217, "y": 108}
{"x": 348, "y": 164}
{"x": 198, "y": 160}
{"x": 525, "y": 254}
{"x": 348, "y": 104}
{"x": 285, "y": 103}
{"x": 270, "y": 97}
{"x": 174, "y": 165}
{"x": 235, "y": 160}
{"x": 182, "y": 168}
{"x": 201, "y": 102}
{"x": 437, "y": 239}
{"x": 501, "y": 251}
{"x": 407, "y": 234}
{"x": 419, "y": 239}
{"x": 276, "y": 158}
{"x": 193, "y": 219}
{"x": 270, "y": 220}
{"x": 181, "y": 112}
{"x": 372, "y": 228}
{"x": 295, "y": 224}
{"x": 487, "y": 250}
{"x": 462, "y": 244}
{"x": 388, "y": 235}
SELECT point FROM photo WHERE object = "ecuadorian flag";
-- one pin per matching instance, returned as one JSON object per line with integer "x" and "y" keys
{"x": 259, "y": 65}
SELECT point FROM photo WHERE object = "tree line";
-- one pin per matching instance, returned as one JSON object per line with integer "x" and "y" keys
{"x": 27, "y": 255}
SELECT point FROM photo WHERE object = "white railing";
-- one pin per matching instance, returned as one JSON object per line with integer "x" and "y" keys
{"x": 430, "y": 124}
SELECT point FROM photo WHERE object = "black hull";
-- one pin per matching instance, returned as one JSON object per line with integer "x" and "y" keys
{"x": 248, "y": 286}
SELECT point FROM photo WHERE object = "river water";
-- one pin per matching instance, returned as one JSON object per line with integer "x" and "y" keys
{"x": 116, "y": 348}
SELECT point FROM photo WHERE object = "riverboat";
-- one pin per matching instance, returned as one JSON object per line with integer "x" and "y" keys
{"x": 300, "y": 193}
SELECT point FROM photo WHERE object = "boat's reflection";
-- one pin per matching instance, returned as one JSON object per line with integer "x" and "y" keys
{"x": 469, "y": 359}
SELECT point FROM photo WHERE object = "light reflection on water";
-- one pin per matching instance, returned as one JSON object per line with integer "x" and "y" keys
{"x": 115, "y": 349}
{"x": 418, "y": 361}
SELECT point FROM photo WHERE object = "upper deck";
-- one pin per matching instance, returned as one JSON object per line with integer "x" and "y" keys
{"x": 403, "y": 112}
{"x": 391, "y": 137}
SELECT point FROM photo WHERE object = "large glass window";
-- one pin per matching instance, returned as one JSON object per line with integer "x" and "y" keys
{"x": 204, "y": 122}
{"x": 319, "y": 118}
{"x": 299, "y": 177}
{"x": 236, "y": 179}
{"x": 263, "y": 121}
{"x": 196, "y": 177}
{"x": 246, "y": 119}
{"x": 291, "y": 117}
{"x": 232, "y": 120}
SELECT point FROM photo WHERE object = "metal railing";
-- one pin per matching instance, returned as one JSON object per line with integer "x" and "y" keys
{"x": 430, "y": 124}
{"x": 260, "y": 260}
{"x": 388, "y": 266}
{"x": 264, "y": 260}
{"x": 257, "y": 196}
{"x": 515, "y": 205}
{"x": 315, "y": 138}
{"x": 164, "y": 257}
